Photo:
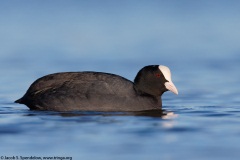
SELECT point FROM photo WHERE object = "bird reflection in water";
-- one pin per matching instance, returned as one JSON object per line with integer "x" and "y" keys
{"x": 163, "y": 114}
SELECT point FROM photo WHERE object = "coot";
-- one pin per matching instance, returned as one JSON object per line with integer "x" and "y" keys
{"x": 97, "y": 91}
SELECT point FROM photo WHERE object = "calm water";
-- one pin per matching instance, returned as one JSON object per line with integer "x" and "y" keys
{"x": 199, "y": 42}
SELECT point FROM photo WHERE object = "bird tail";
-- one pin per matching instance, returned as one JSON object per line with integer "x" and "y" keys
{"x": 20, "y": 101}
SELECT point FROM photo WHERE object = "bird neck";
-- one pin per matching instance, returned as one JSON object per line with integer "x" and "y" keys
{"x": 156, "y": 100}
{"x": 144, "y": 90}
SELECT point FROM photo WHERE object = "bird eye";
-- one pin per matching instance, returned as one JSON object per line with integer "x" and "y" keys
{"x": 157, "y": 75}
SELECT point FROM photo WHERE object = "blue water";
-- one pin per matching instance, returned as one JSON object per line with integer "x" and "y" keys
{"x": 198, "y": 41}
